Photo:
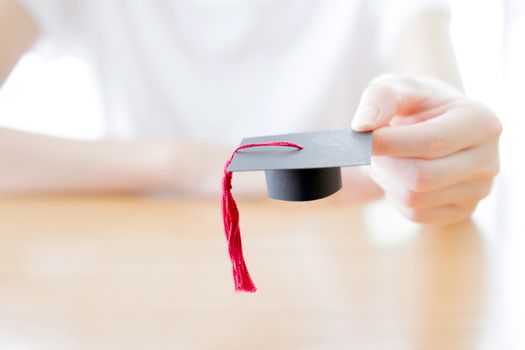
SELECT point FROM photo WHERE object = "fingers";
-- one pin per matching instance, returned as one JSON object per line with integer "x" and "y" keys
{"x": 382, "y": 101}
{"x": 377, "y": 107}
{"x": 439, "y": 153}
{"x": 466, "y": 124}
{"x": 441, "y": 215}
{"x": 421, "y": 175}
{"x": 463, "y": 193}
{"x": 443, "y": 206}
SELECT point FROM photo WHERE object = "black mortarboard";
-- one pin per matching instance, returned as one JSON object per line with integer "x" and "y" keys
{"x": 312, "y": 172}
{"x": 299, "y": 167}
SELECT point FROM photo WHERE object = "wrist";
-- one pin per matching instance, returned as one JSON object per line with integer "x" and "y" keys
{"x": 164, "y": 163}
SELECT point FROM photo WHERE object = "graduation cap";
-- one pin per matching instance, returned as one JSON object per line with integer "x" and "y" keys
{"x": 309, "y": 173}
{"x": 298, "y": 167}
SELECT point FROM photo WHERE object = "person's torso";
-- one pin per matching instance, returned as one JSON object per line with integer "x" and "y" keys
{"x": 220, "y": 70}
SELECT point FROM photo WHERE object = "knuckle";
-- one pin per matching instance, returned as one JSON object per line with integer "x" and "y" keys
{"x": 379, "y": 91}
{"x": 496, "y": 128}
{"x": 464, "y": 212}
{"x": 491, "y": 168}
{"x": 484, "y": 115}
{"x": 432, "y": 144}
{"x": 419, "y": 177}
{"x": 379, "y": 144}
{"x": 484, "y": 190}
{"x": 409, "y": 199}
{"x": 493, "y": 125}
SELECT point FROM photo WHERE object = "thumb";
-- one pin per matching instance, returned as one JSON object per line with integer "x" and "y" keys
{"x": 378, "y": 105}
{"x": 403, "y": 96}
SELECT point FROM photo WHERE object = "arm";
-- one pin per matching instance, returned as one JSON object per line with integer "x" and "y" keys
{"x": 37, "y": 163}
{"x": 435, "y": 151}
{"x": 31, "y": 162}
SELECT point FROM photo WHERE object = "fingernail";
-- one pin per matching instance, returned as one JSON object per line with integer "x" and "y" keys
{"x": 364, "y": 118}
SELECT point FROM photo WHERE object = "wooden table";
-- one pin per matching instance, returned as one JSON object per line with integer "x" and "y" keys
{"x": 153, "y": 273}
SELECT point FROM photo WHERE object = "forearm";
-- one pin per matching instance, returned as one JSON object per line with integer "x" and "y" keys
{"x": 32, "y": 163}
{"x": 37, "y": 163}
{"x": 424, "y": 48}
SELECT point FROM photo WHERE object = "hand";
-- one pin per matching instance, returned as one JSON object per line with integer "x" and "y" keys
{"x": 435, "y": 152}
{"x": 196, "y": 168}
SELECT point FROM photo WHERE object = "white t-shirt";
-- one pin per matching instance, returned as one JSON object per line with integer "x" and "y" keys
{"x": 219, "y": 70}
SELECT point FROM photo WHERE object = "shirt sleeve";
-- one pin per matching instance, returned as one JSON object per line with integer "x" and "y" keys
{"x": 395, "y": 14}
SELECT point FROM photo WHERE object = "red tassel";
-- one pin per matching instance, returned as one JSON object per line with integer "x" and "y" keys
{"x": 230, "y": 216}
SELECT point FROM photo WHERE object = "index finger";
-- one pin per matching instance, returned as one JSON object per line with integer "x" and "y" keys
{"x": 460, "y": 127}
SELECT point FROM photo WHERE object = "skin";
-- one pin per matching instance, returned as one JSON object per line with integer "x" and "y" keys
{"x": 435, "y": 151}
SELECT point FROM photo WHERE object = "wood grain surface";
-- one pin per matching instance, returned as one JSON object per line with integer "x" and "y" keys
{"x": 126, "y": 272}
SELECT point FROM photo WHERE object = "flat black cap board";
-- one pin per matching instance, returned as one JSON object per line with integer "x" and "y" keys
{"x": 298, "y": 167}
{"x": 312, "y": 172}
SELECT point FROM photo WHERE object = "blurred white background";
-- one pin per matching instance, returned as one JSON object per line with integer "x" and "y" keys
{"x": 54, "y": 96}
{"x": 57, "y": 96}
